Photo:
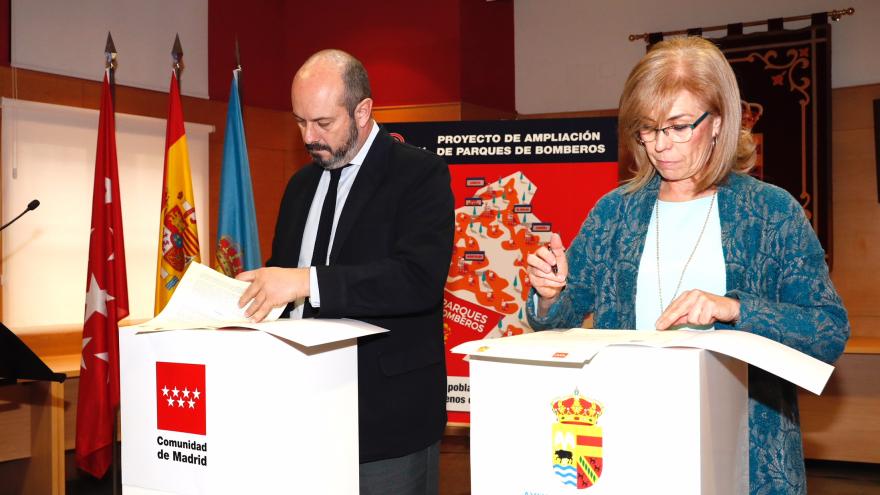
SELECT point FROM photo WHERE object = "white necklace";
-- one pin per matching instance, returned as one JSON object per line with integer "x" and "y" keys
{"x": 684, "y": 269}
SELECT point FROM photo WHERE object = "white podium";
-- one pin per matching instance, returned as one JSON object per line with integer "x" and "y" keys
{"x": 273, "y": 410}
{"x": 605, "y": 412}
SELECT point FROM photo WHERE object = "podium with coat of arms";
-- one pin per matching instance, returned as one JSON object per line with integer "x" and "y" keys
{"x": 267, "y": 409}
{"x": 609, "y": 412}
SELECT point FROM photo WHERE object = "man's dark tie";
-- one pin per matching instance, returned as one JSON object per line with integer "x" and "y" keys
{"x": 325, "y": 226}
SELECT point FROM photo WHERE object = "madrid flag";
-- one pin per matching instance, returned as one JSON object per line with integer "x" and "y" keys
{"x": 106, "y": 304}
{"x": 178, "y": 236}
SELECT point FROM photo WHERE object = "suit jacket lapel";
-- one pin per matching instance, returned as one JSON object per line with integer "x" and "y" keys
{"x": 369, "y": 178}
{"x": 300, "y": 208}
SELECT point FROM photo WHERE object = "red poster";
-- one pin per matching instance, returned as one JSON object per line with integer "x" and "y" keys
{"x": 515, "y": 183}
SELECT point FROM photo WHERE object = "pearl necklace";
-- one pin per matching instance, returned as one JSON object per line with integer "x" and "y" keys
{"x": 702, "y": 230}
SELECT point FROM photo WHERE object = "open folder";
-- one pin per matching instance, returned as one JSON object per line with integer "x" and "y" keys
{"x": 207, "y": 299}
{"x": 579, "y": 345}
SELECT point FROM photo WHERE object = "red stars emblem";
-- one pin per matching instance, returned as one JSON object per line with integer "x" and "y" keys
{"x": 180, "y": 397}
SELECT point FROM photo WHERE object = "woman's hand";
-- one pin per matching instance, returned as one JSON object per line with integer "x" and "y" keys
{"x": 698, "y": 308}
{"x": 548, "y": 269}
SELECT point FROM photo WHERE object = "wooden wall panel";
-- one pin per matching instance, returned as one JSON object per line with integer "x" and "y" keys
{"x": 49, "y": 88}
{"x": 470, "y": 111}
{"x": 856, "y": 208}
{"x": 15, "y": 418}
{"x": 15, "y": 423}
{"x": 269, "y": 187}
{"x": 270, "y": 129}
{"x": 841, "y": 424}
{"x": 851, "y": 107}
{"x": 418, "y": 113}
{"x": 53, "y": 340}
{"x": 71, "y": 396}
{"x": 215, "y": 165}
{"x": 570, "y": 115}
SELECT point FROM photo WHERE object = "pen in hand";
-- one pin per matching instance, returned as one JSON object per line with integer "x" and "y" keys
{"x": 554, "y": 267}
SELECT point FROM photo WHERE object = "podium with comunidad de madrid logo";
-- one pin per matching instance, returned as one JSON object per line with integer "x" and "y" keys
{"x": 608, "y": 412}
{"x": 267, "y": 409}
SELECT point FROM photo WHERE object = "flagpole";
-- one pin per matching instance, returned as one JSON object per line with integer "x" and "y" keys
{"x": 236, "y": 73}
{"x": 110, "y": 65}
{"x": 238, "y": 69}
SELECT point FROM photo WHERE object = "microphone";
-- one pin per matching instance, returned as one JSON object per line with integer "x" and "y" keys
{"x": 31, "y": 206}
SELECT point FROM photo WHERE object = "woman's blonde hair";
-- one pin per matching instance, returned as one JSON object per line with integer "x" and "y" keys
{"x": 695, "y": 65}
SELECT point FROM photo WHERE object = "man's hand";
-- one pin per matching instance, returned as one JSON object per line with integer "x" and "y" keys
{"x": 698, "y": 308}
{"x": 272, "y": 287}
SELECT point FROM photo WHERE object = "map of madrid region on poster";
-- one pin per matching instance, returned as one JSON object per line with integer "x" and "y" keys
{"x": 515, "y": 183}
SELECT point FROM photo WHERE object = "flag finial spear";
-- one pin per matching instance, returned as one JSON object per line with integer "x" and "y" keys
{"x": 177, "y": 56}
{"x": 110, "y": 53}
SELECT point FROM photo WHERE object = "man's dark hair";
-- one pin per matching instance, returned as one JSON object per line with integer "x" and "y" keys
{"x": 356, "y": 83}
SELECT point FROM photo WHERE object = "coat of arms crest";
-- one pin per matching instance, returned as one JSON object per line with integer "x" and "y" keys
{"x": 577, "y": 441}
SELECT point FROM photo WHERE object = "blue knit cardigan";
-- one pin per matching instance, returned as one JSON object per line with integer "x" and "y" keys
{"x": 775, "y": 267}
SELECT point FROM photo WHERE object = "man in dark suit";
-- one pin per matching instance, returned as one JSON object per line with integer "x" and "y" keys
{"x": 366, "y": 232}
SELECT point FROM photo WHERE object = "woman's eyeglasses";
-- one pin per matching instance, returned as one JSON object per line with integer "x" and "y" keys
{"x": 677, "y": 133}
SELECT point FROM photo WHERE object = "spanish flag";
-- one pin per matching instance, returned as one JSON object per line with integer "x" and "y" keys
{"x": 178, "y": 235}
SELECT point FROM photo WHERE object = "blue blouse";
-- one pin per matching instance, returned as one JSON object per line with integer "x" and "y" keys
{"x": 775, "y": 267}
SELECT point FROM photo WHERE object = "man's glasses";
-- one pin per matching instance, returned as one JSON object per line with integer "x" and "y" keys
{"x": 677, "y": 133}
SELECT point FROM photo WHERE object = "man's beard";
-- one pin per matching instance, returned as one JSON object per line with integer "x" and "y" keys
{"x": 339, "y": 157}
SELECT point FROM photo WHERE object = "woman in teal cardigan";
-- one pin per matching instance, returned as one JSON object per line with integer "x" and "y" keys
{"x": 680, "y": 117}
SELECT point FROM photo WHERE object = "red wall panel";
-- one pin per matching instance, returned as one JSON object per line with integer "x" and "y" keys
{"x": 5, "y": 32}
{"x": 487, "y": 54}
{"x": 411, "y": 49}
{"x": 260, "y": 31}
